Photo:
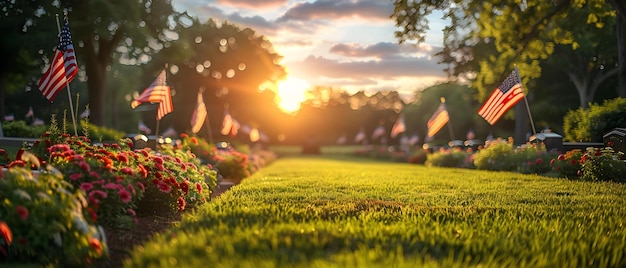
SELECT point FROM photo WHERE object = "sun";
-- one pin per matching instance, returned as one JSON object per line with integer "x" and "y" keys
{"x": 291, "y": 92}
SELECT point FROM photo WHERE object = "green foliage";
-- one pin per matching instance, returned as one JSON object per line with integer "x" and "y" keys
{"x": 98, "y": 133}
{"x": 567, "y": 164}
{"x": 533, "y": 158}
{"x": 497, "y": 155}
{"x": 603, "y": 164}
{"x": 20, "y": 129}
{"x": 44, "y": 214}
{"x": 312, "y": 212}
{"x": 450, "y": 158}
{"x": 590, "y": 124}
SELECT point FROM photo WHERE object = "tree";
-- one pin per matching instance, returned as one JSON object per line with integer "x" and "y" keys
{"x": 102, "y": 29}
{"x": 21, "y": 46}
{"x": 523, "y": 32}
{"x": 230, "y": 65}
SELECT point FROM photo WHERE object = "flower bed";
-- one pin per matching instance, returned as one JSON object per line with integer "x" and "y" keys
{"x": 62, "y": 193}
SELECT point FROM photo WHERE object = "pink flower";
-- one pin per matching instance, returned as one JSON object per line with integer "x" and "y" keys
{"x": 124, "y": 195}
{"x": 76, "y": 176}
{"x": 127, "y": 171}
{"x": 94, "y": 174}
{"x": 141, "y": 186}
{"x": 84, "y": 166}
{"x": 552, "y": 162}
{"x": 112, "y": 186}
{"x": 98, "y": 194}
{"x": 561, "y": 157}
{"x": 22, "y": 212}
{"x": 78, "y": 157}
{"x": 158, "y": 160}
{"x": 132, "y": 189}
{"x": 86, "y": 186}
{"x": 131, "y": 212}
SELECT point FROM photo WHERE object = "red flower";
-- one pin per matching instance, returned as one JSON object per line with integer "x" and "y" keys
{"x": 194, "y": 140}
{"x": 122, "y": 158}
{"x": 609, "y": 144}
{"x": 92, "y": 214}
{"x": 164, "y": 187}
{"x": 184, "y": 135}
{"x": 199, "y": 187}
{"x": 17, "y": 163}
{"x": 127, "y": 171}
{"x": 552, "y": 162}
{"x": 124, "y": 195}
{"x": 95, "y": 244}
{"x": 22, "y": 212}
{"x": 141, "y": 186}
{"x": 184, "y": 186}
{"x": 5, "y": 232}
{"x": 539, "y": 161}
{"x": 181, "y": 203}
{"x": 561, "y": 157}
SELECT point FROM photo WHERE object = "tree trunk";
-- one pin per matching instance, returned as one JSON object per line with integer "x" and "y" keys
{"x": 621, "y": 53}
{"x": 96, "y": 84}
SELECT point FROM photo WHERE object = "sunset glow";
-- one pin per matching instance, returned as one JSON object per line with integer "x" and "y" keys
{"x": 291, "y": 93}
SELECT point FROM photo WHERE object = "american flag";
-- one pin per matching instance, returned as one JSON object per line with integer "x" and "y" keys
{"x": 199, "y": 114}
{"x": 437, "y": 120}
{"x": 159, "y": 92}
{"x": 62, "y": 68}
{"x": 398, "y": 127}
{"x": 505, "y": 96}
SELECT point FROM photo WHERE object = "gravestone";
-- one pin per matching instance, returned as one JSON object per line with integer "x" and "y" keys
{"x": 551, "y": 140}
{"x": 616, "y": 138}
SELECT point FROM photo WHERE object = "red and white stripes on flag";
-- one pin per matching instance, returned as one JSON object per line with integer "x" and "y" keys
{"x": 437, "y": 120}
{"x": 62, "y": 68}
{"x": 503, "y": 98}
{"x": 159, "y": 92}
{"x": 398, "y": 127}
{"x": 199, "y": 114}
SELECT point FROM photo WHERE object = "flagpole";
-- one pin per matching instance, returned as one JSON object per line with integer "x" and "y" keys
{"x": 67, "y": 83}
{"x": 532, "y": 124}
{"x": 443, "y": 100}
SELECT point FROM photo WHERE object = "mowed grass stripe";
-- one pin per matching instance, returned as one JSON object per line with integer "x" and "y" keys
{"x": 342, "y": 212}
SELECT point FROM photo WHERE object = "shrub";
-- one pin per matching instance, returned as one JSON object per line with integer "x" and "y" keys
{"x": 532, "y": 158}
{"x": 590, "y": 124}
{"x": 42, "y": 221}
{"x": 20, "y": 129}
{"x": 449, "y": 158}
{"x": 567, "y": 164}
{"x": 603, "y": 164}
{"x": 497, "y": 155}
{"x": 417, "y": 157}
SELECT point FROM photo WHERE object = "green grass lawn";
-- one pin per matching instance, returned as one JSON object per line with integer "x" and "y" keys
{"x": 347, "y": 212}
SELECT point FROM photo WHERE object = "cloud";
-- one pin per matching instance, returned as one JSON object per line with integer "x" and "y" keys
{"x": 339, "y": 9}
{"x": 381, "y": 50}
{"x": 253, "y": 4}
{"x": 315, "y": 68}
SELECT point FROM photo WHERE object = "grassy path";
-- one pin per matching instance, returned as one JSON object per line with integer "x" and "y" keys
{"x": 316, "y": 212}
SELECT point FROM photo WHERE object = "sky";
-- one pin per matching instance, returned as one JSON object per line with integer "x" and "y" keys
{"x": 347, "y": 44}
